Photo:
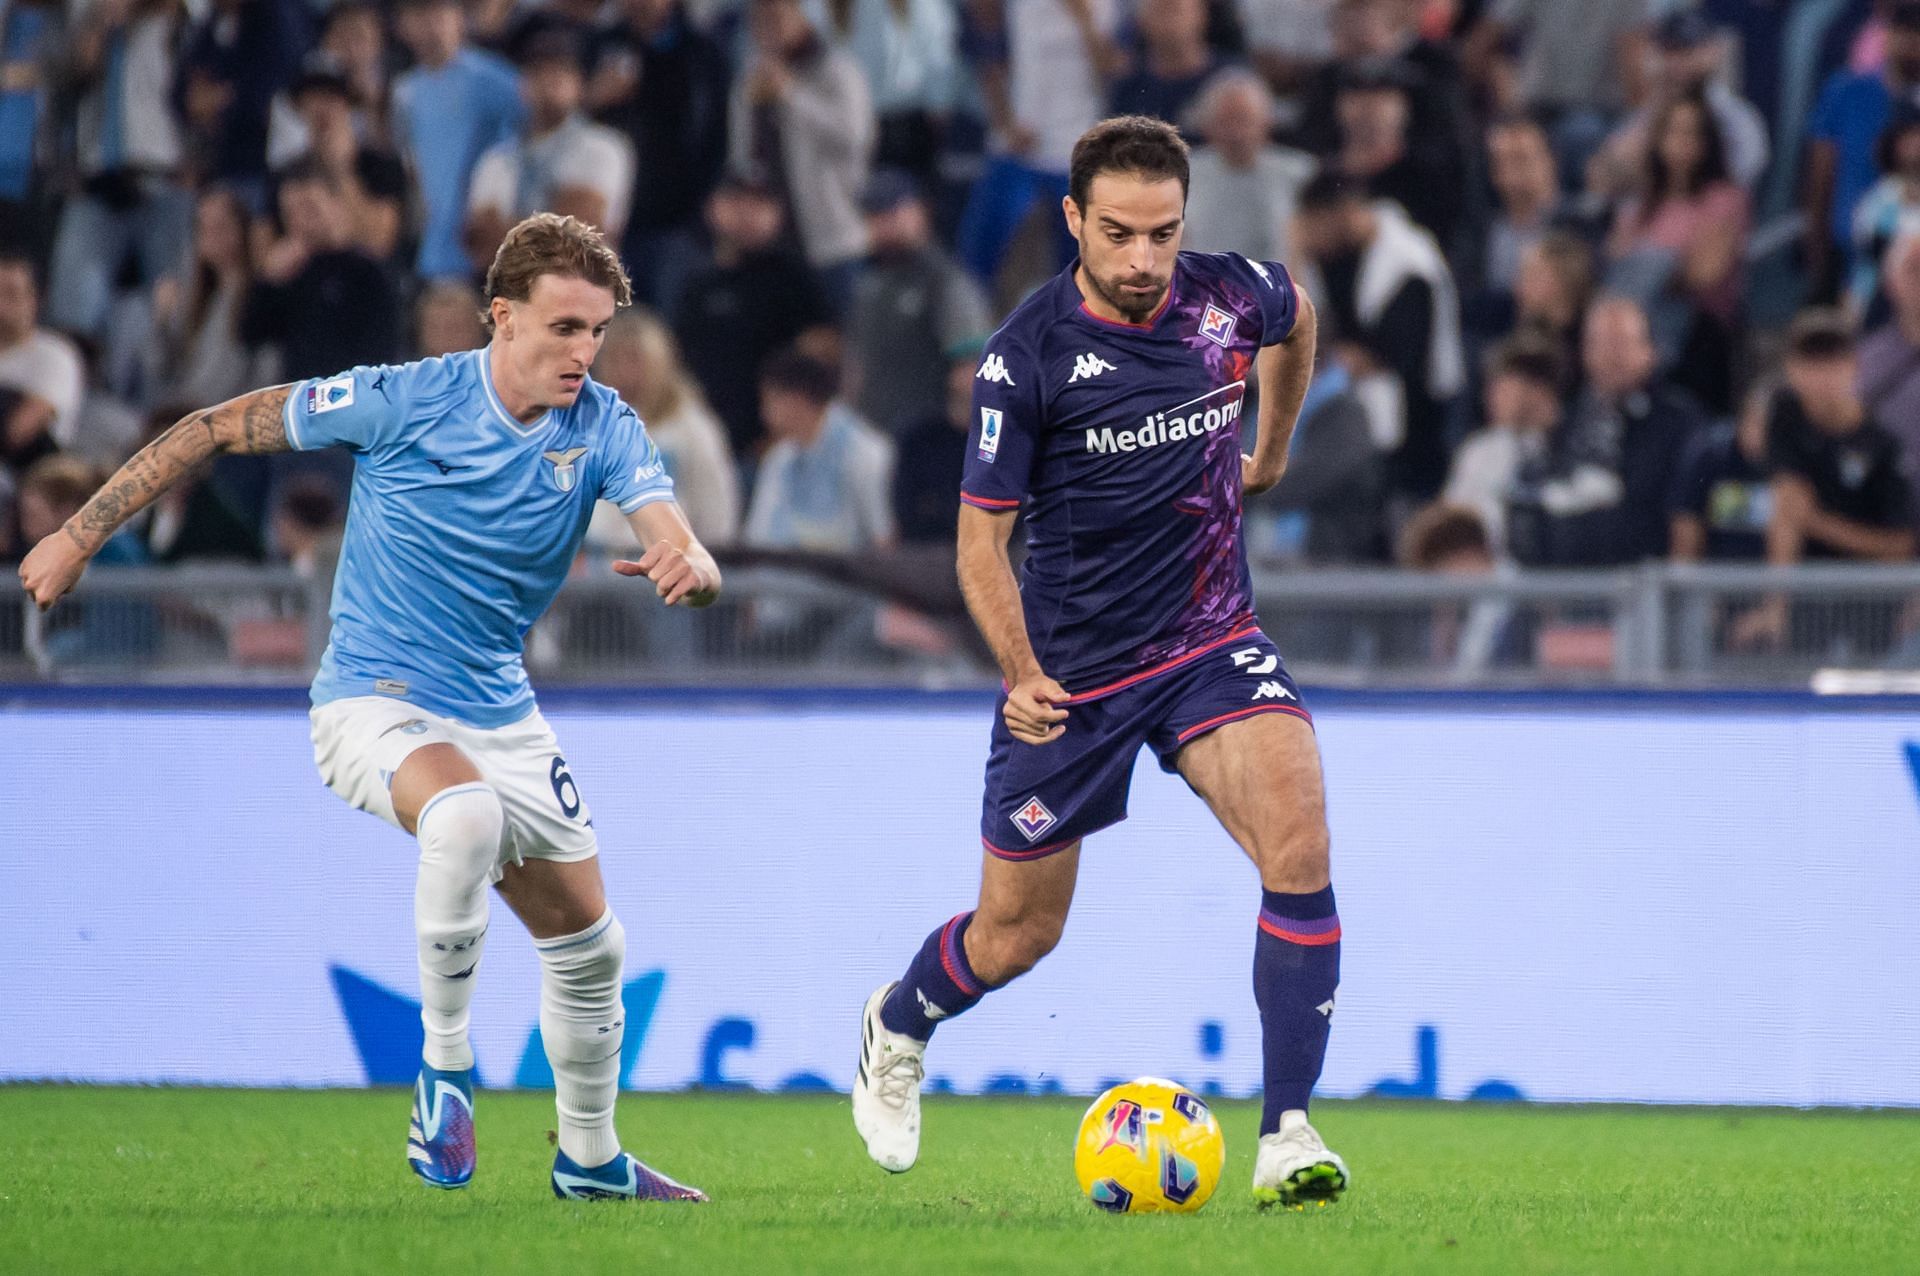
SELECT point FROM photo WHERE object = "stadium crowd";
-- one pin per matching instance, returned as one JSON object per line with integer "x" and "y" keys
{"x": 1600, "y": 283}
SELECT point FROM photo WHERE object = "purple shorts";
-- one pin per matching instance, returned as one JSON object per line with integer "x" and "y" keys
{"x": 1042, "y": 798}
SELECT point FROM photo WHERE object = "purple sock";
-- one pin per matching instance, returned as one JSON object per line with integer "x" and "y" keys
{"x": 938, "y": 984}
{"x": 1296, "y": 969}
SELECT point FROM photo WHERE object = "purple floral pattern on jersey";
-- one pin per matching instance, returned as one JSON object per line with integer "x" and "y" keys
{"x": 1222, "y": 598}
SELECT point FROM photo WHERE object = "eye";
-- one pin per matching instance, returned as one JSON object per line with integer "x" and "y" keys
{"x": 1117, "y": 236}
{"x": 1162, "y": 236}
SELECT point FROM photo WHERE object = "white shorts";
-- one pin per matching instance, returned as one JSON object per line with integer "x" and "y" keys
{"x": 359, "y": 742}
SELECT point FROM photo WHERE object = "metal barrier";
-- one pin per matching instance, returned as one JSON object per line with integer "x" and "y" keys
{"x": 1662, "y": 624}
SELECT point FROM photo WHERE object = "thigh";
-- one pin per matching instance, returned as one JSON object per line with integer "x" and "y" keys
{"x": 364, "y": 748}
{"x": 1261, "y": 777}
{"x": 555, "y": 897}
{"x": 546, "y": 817}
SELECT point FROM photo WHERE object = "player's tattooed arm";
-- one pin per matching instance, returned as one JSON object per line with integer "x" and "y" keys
{"x": 1284, "y": 371}
{"x": 251, "y": 424}
{"x": 993, "y": 597}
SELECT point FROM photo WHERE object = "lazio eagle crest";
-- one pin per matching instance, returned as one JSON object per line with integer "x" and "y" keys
{"x": 564, "y": 474}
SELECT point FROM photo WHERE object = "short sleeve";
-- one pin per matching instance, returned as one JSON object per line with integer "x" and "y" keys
{"x": 1004, "y": 437}
{"x": 636, "y": 473}
{"x": 1786, "y": 444}
{"x": 1692, "y": 484}
{"x": 356, "y": 410}
{"x": 1273, "y": 291}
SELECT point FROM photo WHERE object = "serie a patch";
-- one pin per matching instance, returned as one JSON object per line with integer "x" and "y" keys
{"x": 325, "y": 396}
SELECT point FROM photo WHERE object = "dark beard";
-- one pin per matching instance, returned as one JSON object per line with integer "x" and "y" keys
{"x": 1132, "y": 311}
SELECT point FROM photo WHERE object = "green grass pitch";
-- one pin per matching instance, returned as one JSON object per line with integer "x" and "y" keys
{"x": 212, "y": 1181}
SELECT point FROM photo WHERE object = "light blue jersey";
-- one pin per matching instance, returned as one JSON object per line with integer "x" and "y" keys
{"x": 462, "y": 527}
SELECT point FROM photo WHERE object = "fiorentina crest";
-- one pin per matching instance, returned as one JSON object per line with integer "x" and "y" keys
{"x": 564, "y": 475}
{"x": 1033, "y": 819}
{"x": 1216, "y": 325}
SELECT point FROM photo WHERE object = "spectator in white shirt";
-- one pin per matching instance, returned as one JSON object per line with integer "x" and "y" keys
{"x": 41, "y": 367}
{"x": 1525, "y": 378}
{"x": 562, "y": 163}
{"x": 1243, "y": 188}
{"x": 825, "y": 484}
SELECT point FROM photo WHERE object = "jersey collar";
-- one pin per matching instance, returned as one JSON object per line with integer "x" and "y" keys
{"x": 499, "y": 409}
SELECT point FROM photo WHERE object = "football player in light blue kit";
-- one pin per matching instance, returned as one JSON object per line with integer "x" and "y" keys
{"x": 475, "y": 476}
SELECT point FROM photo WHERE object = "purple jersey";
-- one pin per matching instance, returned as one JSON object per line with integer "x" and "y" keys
{"x": 1123, "y": 443}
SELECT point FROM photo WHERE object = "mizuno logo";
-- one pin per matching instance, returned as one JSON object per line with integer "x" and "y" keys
{"x": 995, "y": 369}
{"x": 446, "y": 467}
{"x": 1087, "y": 367}
{"x": 1272, "y": 691}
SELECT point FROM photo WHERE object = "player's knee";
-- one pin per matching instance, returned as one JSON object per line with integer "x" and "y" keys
{"x": 1296, "y": 858}
{"x": 1012, "y": 948}
{"x": 460, "y": 830}
{"x": 581, "y": 1016}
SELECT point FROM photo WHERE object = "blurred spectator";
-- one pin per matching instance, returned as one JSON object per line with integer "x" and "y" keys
{"x": 801, "y": 116}
{"x": 30, "y": 43}
{"x": 1044, "y": 79}
{"x": 1391, "y": 295}
{"x": 912, "y": 309}
{"x": 94, "y": 629}
{"x": 238, "y": 56}
{"x": 1288, "y": 40}
{"x": 826, "y": 482}
{"x": 446, "y": 320}
{"x": 755, "y": 299}
{"x": 1525, "y": 378}
{"x": 195, "y": 520}
{"x": 318, "y": 298}
{"x": 1243, "y": 189}
{"x": 1335, "y": 477}
{"x": 371, "y": 180}
{"x": 52, "y": 490}
{"x": 1374, "y": 109}
{"x": 641, "y": 362}
{"x": 42, "y": 368}
{"x": 202, "y": 359}
{"x": 1838, "y": 486}
{"x": 1378, "y": 39}
{"x": 1449, "y": 540}
{"x": 1843, "y": 160}
{"x": 354, "y": 39}
{"x": 932, "y": 453}
{"x": 1580, "y": 73}
{"x": 1526, "y": 188}
{"x": 1722, "y": 495}
{"x": 1678, "y": 247}
{"x": 1173, "y": 63}
{"x": 1600, "y": 495}
{"x": 662, "y": 82}
{"x": 307, "y": 518}
{"x": 131, "y": 204}
{"x": 1890, "y": 360}
{"x": 562, "y": 162}
{"x": 1887, "y": 212}
{"x": 910, "y": 54}
{"x": 1553, "y": 287}
{"x": 1690, "y": 59}
{"x": 455, "y": 103}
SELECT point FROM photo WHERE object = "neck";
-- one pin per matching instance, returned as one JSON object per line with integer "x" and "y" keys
{"x": 809, "y": 436}
{"x": 1099, "y": 305}
{"x": 544, "y": 127}
{"x": 1184, "y": 58}
{"x": 519, "y": 405}
{"x": 434, "y": 59}
{"x": 1524, "y": 208}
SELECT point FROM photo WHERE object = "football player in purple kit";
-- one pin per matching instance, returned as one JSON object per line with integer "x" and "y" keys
{"x": 1108, "y": 408}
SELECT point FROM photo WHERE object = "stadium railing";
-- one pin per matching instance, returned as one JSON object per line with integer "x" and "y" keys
{"x": 824, "y": 621}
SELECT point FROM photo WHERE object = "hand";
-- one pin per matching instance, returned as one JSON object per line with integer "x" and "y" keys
{"x": 52, "y": 568}
{"x": 675, "y": 577}
{"x": 1762, "y": 629}
{"x": 1254, "y": 480}
{"x": 286, "y": 258}
{"x": 1030, "y": 711}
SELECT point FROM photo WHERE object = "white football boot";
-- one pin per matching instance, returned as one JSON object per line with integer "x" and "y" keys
{"x": 1295, "y": 1167}
{"x": 886, "y": 1090}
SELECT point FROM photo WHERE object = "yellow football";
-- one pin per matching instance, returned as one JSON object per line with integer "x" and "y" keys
{"x": 1149, "y": 1146}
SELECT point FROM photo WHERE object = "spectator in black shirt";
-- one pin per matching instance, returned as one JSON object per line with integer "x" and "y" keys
{"x": 371, "y": 181}
{"x": 1173, "y": 62}
{"x": 320, "y": 299}
{"x": 927, "y": 467}
{"x": 238, "y": 56}
{"x": 754, "y": 300}
{"x": 1723, "y": 498}
{"x": 657, "y": 78}
{"x": 1374, "y": 108}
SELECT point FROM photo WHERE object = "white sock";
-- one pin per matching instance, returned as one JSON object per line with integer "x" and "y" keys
{"x": 459, "y": 831}
{"x": 582, "y": 1025}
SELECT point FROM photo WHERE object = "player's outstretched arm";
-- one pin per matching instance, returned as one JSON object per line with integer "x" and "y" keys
{"x": 993, "y": 596}
{"x": 253, "y": 423}
{"x": 681, "y": 569}
{"x": 1284, "y": 371}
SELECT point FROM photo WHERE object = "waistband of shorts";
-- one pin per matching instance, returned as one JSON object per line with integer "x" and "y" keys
{"x": 1168, "y": 666}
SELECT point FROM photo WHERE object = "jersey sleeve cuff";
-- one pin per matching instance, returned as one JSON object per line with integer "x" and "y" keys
{"x": 287, "y": 416}
{"x": 994, "y": 503}
{"x": 648, "y": 497}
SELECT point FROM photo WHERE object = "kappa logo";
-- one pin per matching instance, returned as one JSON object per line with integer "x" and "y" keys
{"x": 995, "y": 369}
{"x": 989, "y": 434}
{"x": 1261, "y": 271}
{"x": 1273, "y": 691}
{"x": 1033, "y": 818}
{"x": 325, "y": 396}
{"x": 564, "y": 473}
{"x": 1216, "y": 325}
{"x": 1089, "y": 366}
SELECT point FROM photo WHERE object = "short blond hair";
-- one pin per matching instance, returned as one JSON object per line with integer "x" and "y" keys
{"x": 549, "y": 244}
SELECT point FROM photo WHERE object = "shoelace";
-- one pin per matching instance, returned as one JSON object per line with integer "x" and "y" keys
{"x": 894, "y": 1088}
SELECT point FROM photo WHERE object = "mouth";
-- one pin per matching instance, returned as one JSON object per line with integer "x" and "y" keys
{"x": 572, "y": 380}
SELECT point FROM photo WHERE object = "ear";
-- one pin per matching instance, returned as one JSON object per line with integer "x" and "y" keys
{"x": 502, "y": 311}
{"x": 1072, "y": 212}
